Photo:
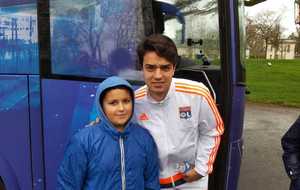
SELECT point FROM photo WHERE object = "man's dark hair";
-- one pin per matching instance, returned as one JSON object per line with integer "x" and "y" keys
{"x": 162, "y": 45}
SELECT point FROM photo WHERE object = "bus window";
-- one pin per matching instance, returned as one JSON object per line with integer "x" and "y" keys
{"x": 201, "y": 27}
{"x": 18, "y": 38}
{"x": 241, "y": 63}
{"x": 194, "y": 26}
{"x": 95, "y": 39}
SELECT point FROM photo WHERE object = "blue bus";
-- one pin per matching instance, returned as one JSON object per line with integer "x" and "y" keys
{"x": 53, "y": 53}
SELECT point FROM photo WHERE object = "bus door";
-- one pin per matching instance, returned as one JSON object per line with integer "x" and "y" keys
{"x": 210, "y": 37}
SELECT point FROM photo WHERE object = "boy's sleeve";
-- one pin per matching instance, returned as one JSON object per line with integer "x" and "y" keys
{"x": 72, "y": 170}
{"x": 151, "y": 173}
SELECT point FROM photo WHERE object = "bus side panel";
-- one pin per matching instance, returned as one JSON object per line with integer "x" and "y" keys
{"x": 15, "y": 132}
{"x": 238, "y": 109}
{"x": 36, "y": 132}
{"x": 235, "y": 162}
{"x": 67, "y": 107}
{"x": 236, "y": 141}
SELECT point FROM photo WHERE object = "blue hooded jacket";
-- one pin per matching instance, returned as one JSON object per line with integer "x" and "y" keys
{"x": 100, "y": 157}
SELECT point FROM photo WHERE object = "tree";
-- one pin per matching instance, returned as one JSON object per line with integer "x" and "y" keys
{"x": 297, "y": 38}
{"x": 263, "y": 29}
{"x": 254, "y": 39}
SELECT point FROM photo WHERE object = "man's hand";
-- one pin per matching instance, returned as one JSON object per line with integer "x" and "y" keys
{"x": 191, "y": 176}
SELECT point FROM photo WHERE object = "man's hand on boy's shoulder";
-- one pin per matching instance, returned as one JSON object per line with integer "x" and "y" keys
{"x": 191, "y": 176}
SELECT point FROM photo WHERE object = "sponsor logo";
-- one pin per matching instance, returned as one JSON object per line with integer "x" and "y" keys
{"x": 143, "y": 117}
{"x": 185, "y": 112}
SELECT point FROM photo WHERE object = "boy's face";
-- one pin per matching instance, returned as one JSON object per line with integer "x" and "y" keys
{"x": 158, "y": 73}
{"x": 117, "y": 106}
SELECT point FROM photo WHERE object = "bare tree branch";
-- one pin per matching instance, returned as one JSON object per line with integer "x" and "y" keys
{"x": 262, "y": 29}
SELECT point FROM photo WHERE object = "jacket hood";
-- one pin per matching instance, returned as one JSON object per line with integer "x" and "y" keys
{"x": 103, "y": 86}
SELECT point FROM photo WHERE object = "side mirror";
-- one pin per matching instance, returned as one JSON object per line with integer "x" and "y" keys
{"x": 191, "y": 42}
{"x": 250, "y": 3}
{"x": 170, "y": 11}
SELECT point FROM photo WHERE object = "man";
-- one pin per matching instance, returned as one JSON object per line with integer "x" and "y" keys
{"x": 181, "y": 116}
{"x": 291, "y": 157}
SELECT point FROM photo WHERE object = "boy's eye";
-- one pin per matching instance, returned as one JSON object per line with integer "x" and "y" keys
{"x": 114, "y": 102}
{"x": 127, "y": 101}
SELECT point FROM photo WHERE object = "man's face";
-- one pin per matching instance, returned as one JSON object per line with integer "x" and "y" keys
{"x": 158, "y": 73}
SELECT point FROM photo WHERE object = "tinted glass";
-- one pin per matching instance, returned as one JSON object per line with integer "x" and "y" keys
{"x": 95, "y": 38}
{"x": 18, "y": 38}
{"x": 242, "y": 31}
{"x": 195, "y": 28}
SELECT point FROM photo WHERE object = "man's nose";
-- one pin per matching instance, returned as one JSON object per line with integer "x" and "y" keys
{"x": 157, "y": 73}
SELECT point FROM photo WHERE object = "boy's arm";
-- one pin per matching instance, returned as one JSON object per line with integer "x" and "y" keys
{"x": 151, "y": 174}
{"x": 72, "y": 170}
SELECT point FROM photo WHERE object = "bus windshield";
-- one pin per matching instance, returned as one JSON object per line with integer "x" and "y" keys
{"x": 200, "y": 31}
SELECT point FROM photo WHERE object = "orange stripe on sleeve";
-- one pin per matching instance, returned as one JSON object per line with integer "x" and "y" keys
{"x": 141, "y": 95}
{"x": 213, "y": 154}
{"x": 141, "y": 92}
{"x": 190, "y": 86}
{"x": 141, "y": 89}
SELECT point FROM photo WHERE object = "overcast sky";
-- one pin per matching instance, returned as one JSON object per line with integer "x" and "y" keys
{"x": 286, "y": 7}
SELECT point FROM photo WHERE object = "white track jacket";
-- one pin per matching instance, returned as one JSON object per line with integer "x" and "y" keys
{"x": 186, "y": 126}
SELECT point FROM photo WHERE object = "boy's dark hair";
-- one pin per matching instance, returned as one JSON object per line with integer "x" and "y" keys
{"x": 162, "y": 45}
{"x": 102, "y": 95}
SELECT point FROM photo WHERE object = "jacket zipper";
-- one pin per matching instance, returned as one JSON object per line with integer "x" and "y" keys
{"x": 123, "y": 177}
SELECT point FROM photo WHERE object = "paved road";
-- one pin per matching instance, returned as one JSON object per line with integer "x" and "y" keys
{"x": 262, "y": 167}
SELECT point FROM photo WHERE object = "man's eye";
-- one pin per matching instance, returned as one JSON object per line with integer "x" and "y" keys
{"x": 150, "y": 67}
{"x": 166, "y": 68}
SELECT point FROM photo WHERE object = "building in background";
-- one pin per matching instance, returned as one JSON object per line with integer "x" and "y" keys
{"x": 285, "y": 50}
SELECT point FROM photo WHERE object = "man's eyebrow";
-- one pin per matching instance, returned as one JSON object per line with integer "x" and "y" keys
{"x": 158, "y": 64}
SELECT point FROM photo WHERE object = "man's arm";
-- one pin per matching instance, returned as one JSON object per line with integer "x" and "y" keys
{"x": 191, "y": 176}
{"x": 210, "y": 130}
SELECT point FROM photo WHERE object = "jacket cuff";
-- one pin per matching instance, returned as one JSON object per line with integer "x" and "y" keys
{"x": 200, "y": 170}
{"x": 295, "y": 184}
{"x": 292, "y": 165}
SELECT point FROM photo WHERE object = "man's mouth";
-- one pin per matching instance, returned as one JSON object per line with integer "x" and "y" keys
{"x": 157, "y": 83}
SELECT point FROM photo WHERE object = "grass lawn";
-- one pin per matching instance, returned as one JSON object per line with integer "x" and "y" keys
{"x": 276, "y": 84}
